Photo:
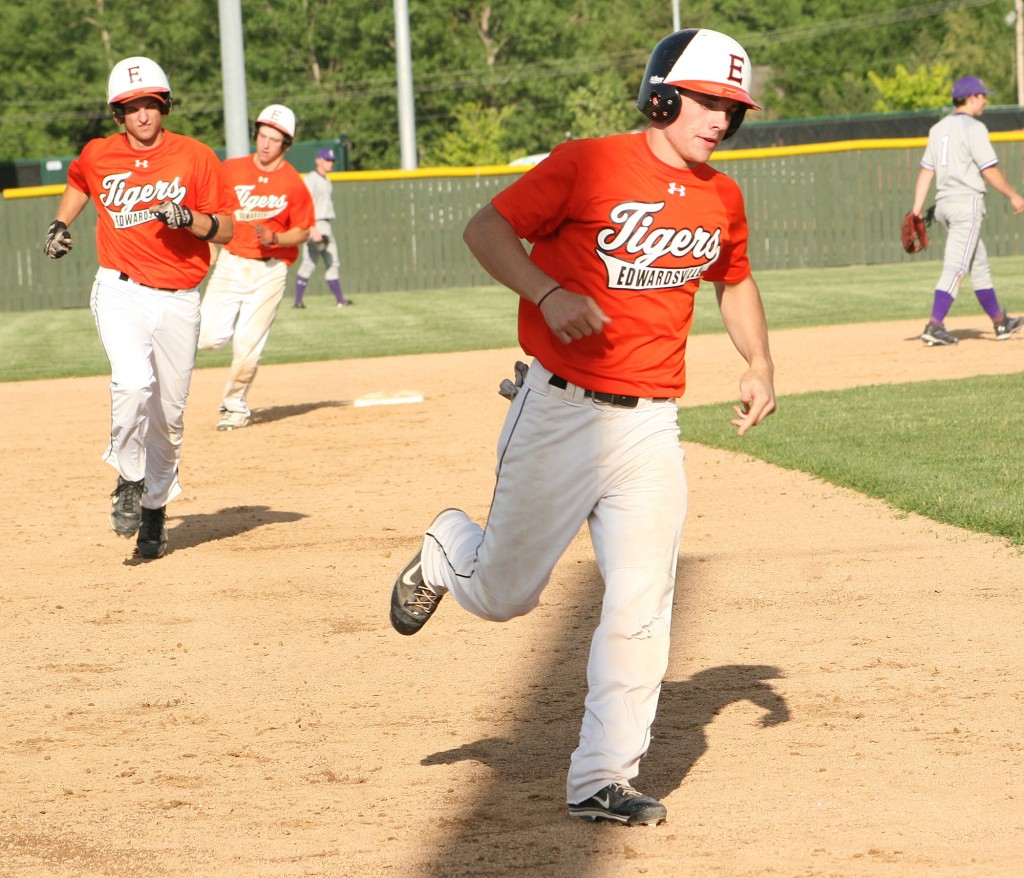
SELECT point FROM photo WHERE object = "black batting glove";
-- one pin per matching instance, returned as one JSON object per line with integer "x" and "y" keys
{"x": 58, "y": 240}
{"x": 174, "y": 216}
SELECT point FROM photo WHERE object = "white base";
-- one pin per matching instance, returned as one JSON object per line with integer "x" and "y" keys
{"x": 388, "y": 397}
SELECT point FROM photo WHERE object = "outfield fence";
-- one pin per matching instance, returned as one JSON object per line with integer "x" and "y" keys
{"x": 808, "y": 207}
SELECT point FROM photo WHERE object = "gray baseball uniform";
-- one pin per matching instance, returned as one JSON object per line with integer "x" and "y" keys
{"x": 958, "y": 151}
{"x": 323, "y": 203}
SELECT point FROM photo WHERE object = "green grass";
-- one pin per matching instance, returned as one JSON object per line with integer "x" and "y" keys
{"x": 58, "y": 344}
{"x": 945, "y": 449}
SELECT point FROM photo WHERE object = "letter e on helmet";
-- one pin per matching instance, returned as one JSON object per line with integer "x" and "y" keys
{"x": 134, "y": 77}
{"x": 280, "y": 117}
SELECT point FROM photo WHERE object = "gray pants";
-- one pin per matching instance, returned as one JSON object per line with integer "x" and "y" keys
{"x": 965, "y": 251}
{"x": 312, "y": 252}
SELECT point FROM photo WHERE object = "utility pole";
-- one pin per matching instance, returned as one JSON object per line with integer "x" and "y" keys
{"x": 232, "y": 70}
{"x": 403, "y": 66}
{"x": 1019, "y": 28}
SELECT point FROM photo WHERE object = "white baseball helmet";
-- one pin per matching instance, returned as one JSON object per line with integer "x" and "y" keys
{"x": 714, "y": 64}
{"x": 700, "y": 60}
{"x": 278, "y": 116}
{"x": 138, "y": 76}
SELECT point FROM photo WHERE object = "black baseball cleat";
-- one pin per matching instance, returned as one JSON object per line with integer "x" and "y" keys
{"x": 126, "y": 506}
{"x": 936, "y": 334}
{"x": 412, "y": 600}
{"x": 620, "y": 803}
{"x": 1008, "y": 326}
{"x": 152, "y": 541}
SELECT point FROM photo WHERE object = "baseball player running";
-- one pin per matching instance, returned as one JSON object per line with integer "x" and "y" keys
{"x": 272, "y": 220}
{"x": 160, "y": 197}
{"x": 321, "y": 244}
{"x": 959, "y": 156}
{"x": 624, "y": 228}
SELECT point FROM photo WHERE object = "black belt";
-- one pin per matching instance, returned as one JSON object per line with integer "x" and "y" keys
{"x": 626, "y": 402}
{"x": 122, "y": 276}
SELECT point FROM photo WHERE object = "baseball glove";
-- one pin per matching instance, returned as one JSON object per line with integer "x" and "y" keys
{"x": 914, "y": 232}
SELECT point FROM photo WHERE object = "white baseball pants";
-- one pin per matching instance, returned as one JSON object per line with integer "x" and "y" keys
{"x": 240, "y": 304}
{"x": 564, "y": 459}
{"x": 149, "y": 337}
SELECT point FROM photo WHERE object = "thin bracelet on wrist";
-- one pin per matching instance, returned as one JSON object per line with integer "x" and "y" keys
{"x": 540, "y": 301}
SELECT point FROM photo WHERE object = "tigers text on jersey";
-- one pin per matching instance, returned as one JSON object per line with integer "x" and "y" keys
{"x": 277, "y": 200}
{"x": 124, "y": 182}
{"x": 610, "y": 220}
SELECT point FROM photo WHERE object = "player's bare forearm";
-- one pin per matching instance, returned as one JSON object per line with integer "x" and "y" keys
{"x": 203, "y": 223}
{"x": 496, "y": 246}
{"x": 294, "y": 237}
{"x": 743, "y": 316}
{"x": 924, "y": 183}
{"x": 498, "y": 249}
{"x": 72, "y": 203}
{"x": 997, "y": 180}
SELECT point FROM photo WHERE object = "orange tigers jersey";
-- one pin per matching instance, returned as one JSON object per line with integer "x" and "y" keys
{"x": 124, "y": 182}
{"x": 277, "y": 200}
{"x": 608, "y": 219}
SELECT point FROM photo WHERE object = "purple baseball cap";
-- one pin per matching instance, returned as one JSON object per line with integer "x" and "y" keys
{"x": 966, "y": 86}
{"x": 326, "y": 153}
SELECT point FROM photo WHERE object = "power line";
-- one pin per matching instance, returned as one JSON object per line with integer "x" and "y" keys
{"x": 79, "y": 107}
{"x": 858, "y": 22}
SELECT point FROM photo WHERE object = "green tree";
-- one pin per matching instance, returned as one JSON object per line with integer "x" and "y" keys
{"x": 979, "y": 42}
{"x": 476, "y": 138}
{"x": 819, "y": 61}
{"x": 614, "y": 114}
{"x": 570, "y": 68}
{"x": 926, "y": 89}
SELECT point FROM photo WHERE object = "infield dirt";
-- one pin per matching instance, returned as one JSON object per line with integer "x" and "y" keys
{"x": 844, "y": 696}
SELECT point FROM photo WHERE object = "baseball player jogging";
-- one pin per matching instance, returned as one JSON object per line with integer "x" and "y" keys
{"x": 624, "y": 228}
{"x": 960, "y": 157}
{"x": 322, "y": 243}
{"x": 272, "y": 220}
{"x": 160, "y": 197}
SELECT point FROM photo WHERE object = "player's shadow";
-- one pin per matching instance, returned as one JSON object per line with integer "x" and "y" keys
{"x": 280, "y": 412}
{"x": 189, "y": 531}
{"x": 959, "y": 335}
{"x": 528, "y": 762}
{"x": 685, "y": 710}
{"x": 973, "y": 334}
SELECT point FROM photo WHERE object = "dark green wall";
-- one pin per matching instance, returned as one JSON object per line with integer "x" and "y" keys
{"x": 834, "y": 207}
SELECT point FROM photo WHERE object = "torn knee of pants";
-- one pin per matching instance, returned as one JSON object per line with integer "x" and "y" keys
{"x": 646, "y": 628}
